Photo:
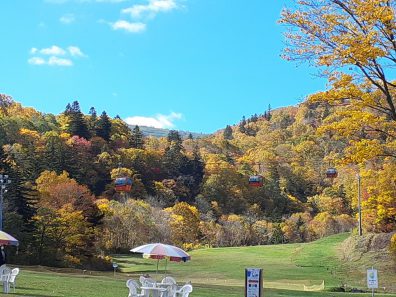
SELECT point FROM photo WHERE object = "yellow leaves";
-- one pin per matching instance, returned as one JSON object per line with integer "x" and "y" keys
{"x": 362, "y": 150}
{"x": 234, "y": 218}
{"x": 33, "y": 135}
{"x": 121, "y": 172}
{"x": 215, "y": 163}
{"x": 331, "y": 34}
{"x": 184, "y": 222}
{"x": 103, "y": 205}
{"x": 379, "y": 204}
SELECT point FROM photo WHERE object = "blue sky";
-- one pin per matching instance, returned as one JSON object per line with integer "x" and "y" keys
{"x": 193, "y": 65}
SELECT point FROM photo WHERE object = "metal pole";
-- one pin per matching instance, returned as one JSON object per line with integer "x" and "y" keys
{"x": 1, "y": 205}
{"x": 359, "y": 205}
{"x": 372, "y": 289}
{"x": 4, "y": 181}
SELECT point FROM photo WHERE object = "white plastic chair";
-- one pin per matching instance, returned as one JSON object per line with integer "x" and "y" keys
{"x": 184, "y": 291}
{"x": 12, "y": 278}
{"x": 147, "y": 281}
{"x": 168, "y": 280}
{"x": 170, "y": 291}
{"x": 5, "y": 277}
{"x": 133, "y": 287}
{"x": 2, "y": 267}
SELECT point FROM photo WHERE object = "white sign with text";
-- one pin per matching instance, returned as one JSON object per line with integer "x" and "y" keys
{"x": 253, "y": 282}
{"x": 372, "y": 278}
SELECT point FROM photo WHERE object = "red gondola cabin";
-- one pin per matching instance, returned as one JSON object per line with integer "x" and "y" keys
{"x": 123, "y": 184}
{"x": 331, "y": 173}
{"x": 256, "y": 181}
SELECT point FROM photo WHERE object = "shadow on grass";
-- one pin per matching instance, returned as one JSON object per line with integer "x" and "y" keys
{"x": 30, "y": 295}
{"x": 205, "y": 290}
{"x": 132, "y": 262}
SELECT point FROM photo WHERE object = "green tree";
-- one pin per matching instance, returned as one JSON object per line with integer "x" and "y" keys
{"x": 103, "y": 126}
{"x": 242, "y": 125}
{"x": 93, "y": 117}
{"x": 76, "y": 122}
{"x": 227, "y": 134}
{"x": 174, "y": 136}
{"x": 137, "y": 138}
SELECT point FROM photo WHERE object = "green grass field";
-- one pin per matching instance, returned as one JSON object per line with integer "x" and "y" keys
{"x": 217, "y": 272}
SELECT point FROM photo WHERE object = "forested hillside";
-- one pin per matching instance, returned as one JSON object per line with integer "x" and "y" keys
{"x": 63, "y": 207}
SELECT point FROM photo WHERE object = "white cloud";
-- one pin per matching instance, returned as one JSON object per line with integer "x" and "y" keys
{"x": 158, "y": 121}
{"x": 67, "y": 19}
{"x": 151, "y": 9}
{"x": 36, "y": 61}
{"x": 56, "y": 61}
{"x": 52, "y": 61}
{"x": 55, "y": 56}
{"x": 128, "y": 26}
{"x": 53, "y": 50}
{"x": 75, "y": 51}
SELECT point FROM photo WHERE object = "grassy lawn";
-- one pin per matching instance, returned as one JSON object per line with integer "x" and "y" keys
{"x": 214, "y": 272}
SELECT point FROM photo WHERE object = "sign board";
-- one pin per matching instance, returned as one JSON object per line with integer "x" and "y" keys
{"x": 372, "y": 278}
{"x": 115, "y": 265}
{"x": 253, "y": 282}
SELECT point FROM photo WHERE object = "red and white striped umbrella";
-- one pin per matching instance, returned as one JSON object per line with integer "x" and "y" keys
{"x": 7, "y": 239}
{"x": 162, "y": 251}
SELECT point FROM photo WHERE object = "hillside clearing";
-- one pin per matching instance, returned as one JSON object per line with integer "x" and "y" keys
{"x": 214, "y": 272}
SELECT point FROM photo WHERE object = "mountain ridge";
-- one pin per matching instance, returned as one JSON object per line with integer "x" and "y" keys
{"x": 160, "y": 132}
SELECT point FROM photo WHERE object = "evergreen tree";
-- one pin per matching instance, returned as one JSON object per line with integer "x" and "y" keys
{"x": 103, "y": 126}
{"x": 198, "y": 171}
{"x": 254, "y": 118}
{"x": 227, "y": 134}
{"x": 175, "y": 161}
{"x": 190, "y": 136}
{"x": 20, "y": 198}
{"x": 137, "y": 138}
{"x": 265, "y": 116}
{"x": 55, "y": 153}
{"x": 92, "y": 113}
{"x": 77, "y": 124}
{"x": 68, "y": 109}
{"x": 174, "y": 136}
{"x": 92, "y": 121}
{"x": 242, "y": 124}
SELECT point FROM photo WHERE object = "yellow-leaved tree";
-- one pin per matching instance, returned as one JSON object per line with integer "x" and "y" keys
{"x": 185, "y": 224}
{"x": 353, "y": 42}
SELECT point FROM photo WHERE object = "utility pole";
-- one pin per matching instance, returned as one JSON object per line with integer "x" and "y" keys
{"x": 359, "y": 205}
{"x": 4, "y": 182}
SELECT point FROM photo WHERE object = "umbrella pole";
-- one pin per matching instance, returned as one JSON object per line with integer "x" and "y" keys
{"x": 156, "y": 273}
{"x": 166, "y": 262}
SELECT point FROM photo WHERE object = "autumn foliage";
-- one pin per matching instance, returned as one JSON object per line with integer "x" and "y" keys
{"x": 63, "y": 207}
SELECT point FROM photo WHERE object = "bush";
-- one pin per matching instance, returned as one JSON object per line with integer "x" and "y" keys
{"x": 336, "y": 289}
{"x": 99, "y": 263}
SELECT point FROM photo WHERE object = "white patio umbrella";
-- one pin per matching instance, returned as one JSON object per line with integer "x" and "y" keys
{"x": 162, "y": 251}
